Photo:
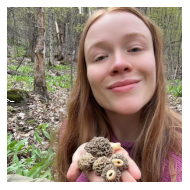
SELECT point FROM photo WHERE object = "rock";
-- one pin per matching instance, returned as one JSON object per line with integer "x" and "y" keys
{"x": 17, "y": 97}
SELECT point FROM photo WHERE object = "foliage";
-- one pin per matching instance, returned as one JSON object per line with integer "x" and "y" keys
{"x": 61, "y": 67}
{"x": 175, "y": 88}
{"x": 21, "y": 52}
{"x": 9, "y": 40}
{"x": 79, "y": 28}
{"x": 61, "y": 81}
{"x": 38, "y": 165}
{"x": 27, "y": 82}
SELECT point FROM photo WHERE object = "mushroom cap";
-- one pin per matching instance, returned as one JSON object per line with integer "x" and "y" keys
{"x": 111, "y": 174}
{"x": 118, "y": 158}
{"x": 100, "y": 164}
{"x": 86, "y": 161}
{"x": 99, "y": 146}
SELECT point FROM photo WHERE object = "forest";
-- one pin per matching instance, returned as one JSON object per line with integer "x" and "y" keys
{"x": 42, "y": 46}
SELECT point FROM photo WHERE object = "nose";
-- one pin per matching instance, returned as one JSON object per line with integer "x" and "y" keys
{"x": 120, "y": 64}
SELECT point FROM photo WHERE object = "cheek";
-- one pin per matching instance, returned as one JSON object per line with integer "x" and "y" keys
{"x": 149, "y": 68}
{"x": 95, "y": 76}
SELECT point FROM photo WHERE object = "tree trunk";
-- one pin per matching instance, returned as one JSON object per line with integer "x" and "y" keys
{"x": 15, "y": 38}
{"x": 40, "y": 86}
{"x": 59, "y": 40}
{"x": 170, "y": 45}
{"x": 66, "y": 44}
{"x": 30, "y": 35}
{"x": 72, "y": 44}
{"x": 51, "y": 53}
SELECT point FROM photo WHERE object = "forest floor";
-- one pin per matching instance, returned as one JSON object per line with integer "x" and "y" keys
{"x": 22, "y": 121}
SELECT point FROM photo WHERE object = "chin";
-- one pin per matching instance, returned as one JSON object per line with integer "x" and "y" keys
{"x": 129, "y": 108}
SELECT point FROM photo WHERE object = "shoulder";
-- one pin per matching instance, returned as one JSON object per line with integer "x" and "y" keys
{"x": 177, "y": 162}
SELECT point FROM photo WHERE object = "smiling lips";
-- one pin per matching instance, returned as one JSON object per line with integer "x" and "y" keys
{"x": 124, "y": 85}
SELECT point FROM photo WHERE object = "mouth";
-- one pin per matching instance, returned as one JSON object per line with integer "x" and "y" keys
{"x": 124, "y": 85}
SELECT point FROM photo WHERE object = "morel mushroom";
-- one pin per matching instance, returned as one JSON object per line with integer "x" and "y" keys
{"x": 86, "y": 162}
{"x": 111, "y": 174}
{"x": 100, "y": 164}
{"x": 99, "y": 146}
{"x": 119, "y": 161}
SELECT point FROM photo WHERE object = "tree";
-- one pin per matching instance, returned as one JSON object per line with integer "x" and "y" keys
{"x": 51, "y": 37}
{"x": 32, "y": 34}
{"x": 40, "y": 86}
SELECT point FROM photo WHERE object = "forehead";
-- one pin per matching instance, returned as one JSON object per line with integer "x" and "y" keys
{"x": 120, "y": 23}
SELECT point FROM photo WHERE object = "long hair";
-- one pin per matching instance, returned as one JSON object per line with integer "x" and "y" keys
{"x": 161, "y": 131}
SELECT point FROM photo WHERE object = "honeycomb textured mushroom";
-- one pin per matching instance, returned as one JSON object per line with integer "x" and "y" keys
{"x": 119, "y": 161}
{"x": 111, "y": 174}
{"x": 100, "y": 164}
{"x": 86, "y": 162}
{"x": 99, "y": 146}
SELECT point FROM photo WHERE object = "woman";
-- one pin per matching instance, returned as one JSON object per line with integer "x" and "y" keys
{"x": 120, "y": 94}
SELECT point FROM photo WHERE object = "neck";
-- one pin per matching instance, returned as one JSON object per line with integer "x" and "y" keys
{"x": 124, "y": 127}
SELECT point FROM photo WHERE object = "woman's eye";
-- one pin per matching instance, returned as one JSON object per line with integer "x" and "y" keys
{"x": 135, "y": 50}
{"x": 101, "y": 58}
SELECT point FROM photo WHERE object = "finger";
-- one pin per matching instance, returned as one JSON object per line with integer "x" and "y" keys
{"x": 92, "y": 177}
{"x": 127, "y": 177}
{"x": 73, "y": 172}
{"x": 132, "y": 168}
{"x": 80, "y": 151}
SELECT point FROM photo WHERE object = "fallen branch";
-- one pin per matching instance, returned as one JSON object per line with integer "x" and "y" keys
{"x": 11, "y": 72}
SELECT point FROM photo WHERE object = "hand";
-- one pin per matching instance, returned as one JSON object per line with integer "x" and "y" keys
{"x": 130, "y": 175}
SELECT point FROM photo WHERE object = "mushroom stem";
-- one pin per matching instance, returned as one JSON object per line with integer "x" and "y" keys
{"x": 117, "y": 162}
{"x": 116, "y": 146}
{"x": 111, "y": 175}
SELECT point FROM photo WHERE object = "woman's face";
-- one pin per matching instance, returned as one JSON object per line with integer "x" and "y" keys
{"x": 120, "y": 62}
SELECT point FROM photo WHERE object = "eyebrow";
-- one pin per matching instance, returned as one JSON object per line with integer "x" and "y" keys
{"x": 128, "y": 35}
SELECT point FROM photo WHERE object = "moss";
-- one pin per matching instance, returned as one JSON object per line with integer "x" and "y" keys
{"x": 17, "y": 95}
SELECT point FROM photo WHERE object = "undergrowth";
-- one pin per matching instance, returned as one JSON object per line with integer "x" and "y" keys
{"x": 175, "y": 87}
{"x": 26, "y": 160}
{"x": 27, "y": 82}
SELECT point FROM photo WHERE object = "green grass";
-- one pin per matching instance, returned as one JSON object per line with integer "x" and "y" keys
{"x": 38, "y": 164}
{"x": 175, "y": 87}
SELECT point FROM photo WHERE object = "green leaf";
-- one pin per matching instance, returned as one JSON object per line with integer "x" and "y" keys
{"x": 12, "y": 168}
{"x": 9, "y": 139}
{"x": 20, "y": 147}
{"x": 15, "y": 158}
{"x": 38, "y": 137}
{"x": 25, "y": 172}
{"x": 35, "y": 170}
{"x": 46, "y": 134}
{"x": 33, "y": 151}
{"x": 30, "y": 161}
{"x": 28, "y": 148}
{"x": 38, "y": 152}
{"x": 46, "y": 174}
{"x": 12, "y": 144}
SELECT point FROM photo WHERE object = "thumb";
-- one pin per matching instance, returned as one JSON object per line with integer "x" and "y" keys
{"x": 73, "y": 172}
